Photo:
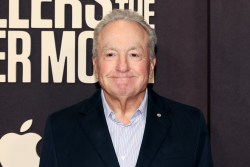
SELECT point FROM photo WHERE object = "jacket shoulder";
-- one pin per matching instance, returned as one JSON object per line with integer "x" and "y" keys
{"x": 70, "y": 113}
{"x": 176, "y": 110}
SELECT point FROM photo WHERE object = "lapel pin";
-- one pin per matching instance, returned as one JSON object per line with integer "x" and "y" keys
{"x": 158, "y": 115}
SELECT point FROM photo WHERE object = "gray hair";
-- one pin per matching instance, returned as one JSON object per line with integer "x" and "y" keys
{"x": 128, "y": 15}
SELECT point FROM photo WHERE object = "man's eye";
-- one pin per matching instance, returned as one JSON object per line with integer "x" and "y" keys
{"x": 109, "y": 55}
{"x": 134, "y": 55}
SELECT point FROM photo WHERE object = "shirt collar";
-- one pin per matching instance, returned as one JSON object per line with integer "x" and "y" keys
{"x": 142, "y": 109}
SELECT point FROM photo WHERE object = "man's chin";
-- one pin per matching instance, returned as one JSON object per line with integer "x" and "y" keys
{"x": 122, "y": 92}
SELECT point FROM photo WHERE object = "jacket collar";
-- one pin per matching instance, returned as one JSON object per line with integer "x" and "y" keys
{"x": 92, "y": 122}
{"x": 157, "y": 126}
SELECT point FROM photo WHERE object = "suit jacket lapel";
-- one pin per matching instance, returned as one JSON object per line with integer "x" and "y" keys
{"x": 157, "y": 126}
{"x": 93, "y": 124}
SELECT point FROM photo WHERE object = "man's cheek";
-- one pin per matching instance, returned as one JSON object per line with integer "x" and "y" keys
{"x": 143, "y": 70}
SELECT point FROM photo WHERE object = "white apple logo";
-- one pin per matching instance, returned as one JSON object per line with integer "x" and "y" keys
{"x": 20, "y": 150}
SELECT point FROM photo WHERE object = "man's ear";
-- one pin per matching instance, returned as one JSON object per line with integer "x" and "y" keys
{"x": 151, "y": 69}
{"x": 94, "y": 62}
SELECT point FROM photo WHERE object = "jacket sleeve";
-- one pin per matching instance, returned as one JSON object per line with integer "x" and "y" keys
{"x": 203, "y": 151}
{"x": 48, "y": 155}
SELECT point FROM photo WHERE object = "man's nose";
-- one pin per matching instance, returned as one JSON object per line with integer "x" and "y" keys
{"x": 122, "y": 64}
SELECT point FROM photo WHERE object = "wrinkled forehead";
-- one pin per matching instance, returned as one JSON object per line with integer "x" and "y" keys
{"x": 125, "y": 29}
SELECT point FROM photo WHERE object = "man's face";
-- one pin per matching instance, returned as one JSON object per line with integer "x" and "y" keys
{"x": 123, "y": 66}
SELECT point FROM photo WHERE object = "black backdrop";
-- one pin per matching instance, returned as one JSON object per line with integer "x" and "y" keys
{"x": 203, "y": 55}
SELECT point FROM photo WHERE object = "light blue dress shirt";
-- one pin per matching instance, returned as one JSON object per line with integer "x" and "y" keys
{"x": 126, "y": 139}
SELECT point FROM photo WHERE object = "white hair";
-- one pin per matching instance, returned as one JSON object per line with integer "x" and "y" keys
{"x": 129, "y": 15}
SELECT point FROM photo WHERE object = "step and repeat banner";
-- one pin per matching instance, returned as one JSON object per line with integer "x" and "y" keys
{"x": 45, "y": 61}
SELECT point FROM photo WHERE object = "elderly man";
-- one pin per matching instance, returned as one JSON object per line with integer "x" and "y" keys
{"x": 125, "y": 123}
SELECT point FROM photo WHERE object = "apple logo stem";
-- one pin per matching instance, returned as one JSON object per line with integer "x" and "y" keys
{"x": 19, "y": 150}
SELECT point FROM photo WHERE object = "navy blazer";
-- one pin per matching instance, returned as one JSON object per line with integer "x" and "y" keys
{"x": 78, "y": 136}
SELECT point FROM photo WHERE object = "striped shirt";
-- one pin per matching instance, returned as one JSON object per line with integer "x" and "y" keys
{"x": 126, "y": 139}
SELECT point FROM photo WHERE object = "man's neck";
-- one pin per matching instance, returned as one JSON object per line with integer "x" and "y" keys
{"x": 124, "y": 107}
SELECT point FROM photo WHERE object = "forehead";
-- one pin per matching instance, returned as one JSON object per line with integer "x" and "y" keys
{"x": 122, "y": 30}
